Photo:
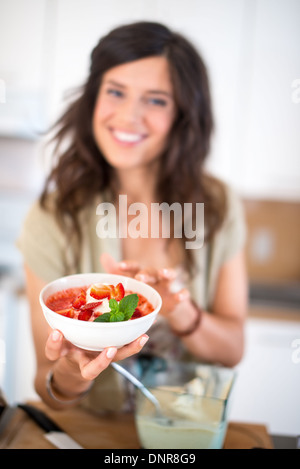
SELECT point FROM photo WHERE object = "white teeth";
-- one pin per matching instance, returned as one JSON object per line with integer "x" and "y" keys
{"x": 126, "y": 137}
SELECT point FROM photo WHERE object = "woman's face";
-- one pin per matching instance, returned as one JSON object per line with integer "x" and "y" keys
{"x": 134, "y": 112}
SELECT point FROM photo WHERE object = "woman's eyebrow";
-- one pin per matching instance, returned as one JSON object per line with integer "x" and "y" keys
{"x": 164, "y": 93}
{"x": 120, "y": 85}
{"x": 115, "y": 83}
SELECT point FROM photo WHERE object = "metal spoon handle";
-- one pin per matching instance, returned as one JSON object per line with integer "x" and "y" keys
{"x": 138, "y": 384}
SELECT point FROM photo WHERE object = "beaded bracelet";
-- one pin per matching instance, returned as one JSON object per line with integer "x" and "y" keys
{"x": 194, "y": 326}
{"x": 49, "y": 386}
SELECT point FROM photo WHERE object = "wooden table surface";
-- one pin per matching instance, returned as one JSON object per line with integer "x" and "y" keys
{"x": 114, "y": 431}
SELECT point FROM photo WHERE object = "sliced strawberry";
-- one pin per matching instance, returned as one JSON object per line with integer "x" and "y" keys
{"x": 68, "y": 312}
{"x": 79, "y": 300}
{"x": 104, "y": 291}
{"x": 85, "y": 315}
{"x": 91, "y": 305}
{"x": 96, "y": 314}
{"x": 108, "y": 291}
{"x": 118, "y": 292}
{"x": 137, "y": 314}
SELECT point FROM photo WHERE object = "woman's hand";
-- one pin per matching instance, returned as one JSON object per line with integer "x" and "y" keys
{"x": 163, "y": 280}
{"x": 127, "y": 268}
{"x": 160, "y": 279}
{"x": 89, "y": 364}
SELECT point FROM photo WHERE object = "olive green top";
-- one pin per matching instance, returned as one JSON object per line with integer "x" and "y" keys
{"x": 50, "y": 255}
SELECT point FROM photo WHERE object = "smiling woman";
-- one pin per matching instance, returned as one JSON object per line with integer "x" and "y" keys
{"x": 146, "y": 108}
{"x": 139, "y": 131}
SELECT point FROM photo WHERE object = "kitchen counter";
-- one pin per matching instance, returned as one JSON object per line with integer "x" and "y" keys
{"x": 113, "y": 431}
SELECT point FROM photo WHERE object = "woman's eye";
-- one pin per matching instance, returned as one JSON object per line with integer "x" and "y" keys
{"x": 158, "y": 102}
{"x": 115, "y": 92}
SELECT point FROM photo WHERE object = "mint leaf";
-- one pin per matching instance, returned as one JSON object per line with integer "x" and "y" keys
{"x": 120, "y": 311}
{"x": 117, "y": 316}
{"x": 105, "y": 317}
{"x": 114, "y": 305}
{"x": 128, "y": 305}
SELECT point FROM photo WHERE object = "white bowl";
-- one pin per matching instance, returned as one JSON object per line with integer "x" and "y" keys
{"x": 98, "y": 335}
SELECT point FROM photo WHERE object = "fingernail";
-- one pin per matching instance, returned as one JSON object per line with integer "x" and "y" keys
{"x": 183, "y": 295}
{"x": 143, "y": 340}
{"x": 56, "y": 336}
{"x": 111, "y": 352}
{"x": 166, "y": 272}
{"x": 141, "y": 277}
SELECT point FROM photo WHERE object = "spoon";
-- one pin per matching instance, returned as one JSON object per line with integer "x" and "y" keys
{"x": 159, "y": 414}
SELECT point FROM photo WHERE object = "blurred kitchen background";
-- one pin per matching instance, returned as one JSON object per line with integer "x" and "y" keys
{"x": 252, "y": 50}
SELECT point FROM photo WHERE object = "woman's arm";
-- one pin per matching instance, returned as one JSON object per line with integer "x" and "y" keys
{"x": 73, "y": 369}
{"x": 219, "y": 337}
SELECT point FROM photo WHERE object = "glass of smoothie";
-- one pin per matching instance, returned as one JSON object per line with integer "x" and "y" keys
{"x": 195, "y": 399}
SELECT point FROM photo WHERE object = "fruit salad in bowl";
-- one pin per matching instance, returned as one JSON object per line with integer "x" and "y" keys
{"x": 95, "y": 311}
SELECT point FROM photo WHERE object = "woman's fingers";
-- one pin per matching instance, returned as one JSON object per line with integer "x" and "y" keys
{"x": 182, "y": 295}
{"x": 90, "y": 364}
{"x": 54, "y": 348}
{"x": 132, "y": 348}
{"x": 147, "y": 277}
{"x": 128, "y": 268}
{"x": 163, "y": 281}
{"x": 167, "y": 274}
{"x": 90, "y": 369}
{"x": 154, "y": 276}
{"x": 131, "y": 267}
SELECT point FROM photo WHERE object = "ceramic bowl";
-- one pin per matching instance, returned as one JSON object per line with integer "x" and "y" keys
{"x": 96, "y": 336}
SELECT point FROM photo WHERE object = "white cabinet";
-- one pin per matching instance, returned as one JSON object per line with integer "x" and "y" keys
{"x": 268, "y": 378}
{"x": 17, "y": 356}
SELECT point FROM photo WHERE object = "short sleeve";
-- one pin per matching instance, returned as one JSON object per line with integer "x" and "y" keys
{"x": 42, "y": 244}
{"x": 232, "y": 236}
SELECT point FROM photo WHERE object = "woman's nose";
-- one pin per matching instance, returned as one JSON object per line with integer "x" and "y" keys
{"x": 131, "y": 110}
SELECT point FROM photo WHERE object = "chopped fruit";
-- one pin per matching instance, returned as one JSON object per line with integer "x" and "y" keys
{"x": 118, "y": 292}
{"x": 91, "y": 305}
{"x": 85, "y": 314}
{"x": 108, "y": 291}
{"x": 96, "y": 314}
{"x": 103, "y": 291}
{"x": 87, "y": 303}
{"x": 68, "y": 312}
{"x": 80, "y": 300}
{"x": 142, "y": 300}
{"x": 137, "y": 314}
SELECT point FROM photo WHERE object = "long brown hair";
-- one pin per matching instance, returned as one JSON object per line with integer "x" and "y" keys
{"x": 182, "y": 177}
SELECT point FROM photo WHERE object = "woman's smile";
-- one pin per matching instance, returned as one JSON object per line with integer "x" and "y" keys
{"x": 127, "y": 138}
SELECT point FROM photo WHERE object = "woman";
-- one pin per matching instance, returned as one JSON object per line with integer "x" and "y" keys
{"x": 141, "y": 127}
